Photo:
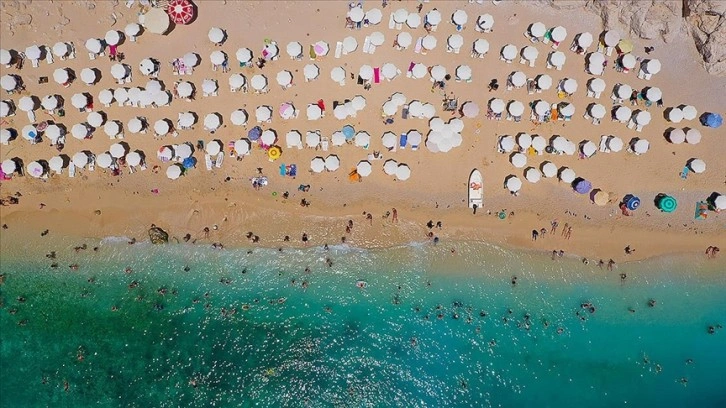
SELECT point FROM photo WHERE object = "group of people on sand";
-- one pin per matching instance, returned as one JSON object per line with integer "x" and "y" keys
{"x": 566, "y": 231}
{"x": 712, "y": 251}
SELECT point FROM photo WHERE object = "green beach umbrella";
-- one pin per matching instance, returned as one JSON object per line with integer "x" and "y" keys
{"x": 667, "y": 204}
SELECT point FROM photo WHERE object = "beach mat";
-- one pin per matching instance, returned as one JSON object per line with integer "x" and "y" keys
{"x": 701, "y": 210}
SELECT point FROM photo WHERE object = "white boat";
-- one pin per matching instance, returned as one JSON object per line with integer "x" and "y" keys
{"x": 476, "y": 189}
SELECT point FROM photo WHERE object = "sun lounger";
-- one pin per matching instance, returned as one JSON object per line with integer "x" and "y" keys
{"x": 71, "y": 170}
{"x": 366, "y": 45}
{"x": 220, "y": 159}
{"x": 403, "y": 140}
{"x": 391, "y": 22}
{"x": 339, "y": 49}
{"x": 419, "y": 45}
{"x": 48, "y": 56}
{"x": 208, "y": 161}
{"x": 325, "y": 143}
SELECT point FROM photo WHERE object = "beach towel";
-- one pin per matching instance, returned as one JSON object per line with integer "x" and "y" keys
{"x": 701, "y": 210}
{"x": 283, "y": 169}
{"x": 293, "y": 170}
{"x": 403, "y": 140}
{"x": 377, "y": 75}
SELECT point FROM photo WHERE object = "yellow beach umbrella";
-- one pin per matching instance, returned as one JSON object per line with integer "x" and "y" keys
{"x": 601, "y": 198}
{"x": 625, "y": 46}
{"x": 274, "y": 153}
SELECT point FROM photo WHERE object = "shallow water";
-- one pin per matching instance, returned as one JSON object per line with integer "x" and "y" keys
{"x": 334, "y": 344}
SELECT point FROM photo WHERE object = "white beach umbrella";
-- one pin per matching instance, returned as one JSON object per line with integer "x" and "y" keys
{"x": 558, "y": 34}
{"x": 588, "y": 148}
{"x": 559, "y": 143}
{"x": 79, "y": 131}
{"x": 147, "y": 66}
{"x": 263, "y": 113}
{"x": 389, "y": 71}
{"x": 95, "y": 119}
{"x": 455, "y": 41}
{"x": 112, "y": 37}
{"x": 132, "y": 30}
{"x": 652, "y": 66}
{"x": 429, "y": 42}
{"x": 596, "y": 58}
{"x": 26, "y": 104}
{"x": 135, "y": 125}
{"x": 509, "y": 52}
{"x": 294, "y": 49}
{"x": 80, "y": 159}
{"x": 119, "y": 71}
{"x": 506, "y": 144}
{"x": 311, "y": 71}
{"x": 50, "y": 102}
{"x": 184, "y": 89}
{"x": 456, "y": 125}
{"x": 293, "y": 138}
{"x": 33, "y": 52}
{"x": 569, "y": 85}
{"x": 689, "y": 112}
{"x": 213, "y": 147}
{"x": 459, "y": 17}
{"x": 388, "y": 140}
{"x": 29, "y": 132}
{"x": 642, "y": 118}
{"x": 532, "y": 175}
{"x": 463, "y": 72}
{"x": 539, "y": 143}
{"x": 362, "y": 139}
{"x": 342, "y": 111}
{"x": 693, "y": 136}
{"x": 518, "y": 78}
{"x": 640, "y": 146}
{"x": 419, "y": 71}
{"x": 35, "y": 169}
{"x": 358, "y": 102}
{"x": 675, "y": 115}
{"x": 413, "y": 20}
{"x": 623, "y": 113}
{"x": 399, "y": 99}
{"x": 183, "y": 151}
{"x": 404, "y": 39}
{"x": 112, "y": 128}
{"x": 544, "y": 82}
{"x": 244, "y": 55}
{"x": 597, "y": 111}
{"x": 433, "y": 17}
{"x": 390, "y": 167}
{"x": 238, "y": 117}
{"x": 557, "y": 58}
{"x": 6, "y": 135}
{"x": 470, "y": 109}
{"x": 390, "y": 108}
{"x": 321, "y": 48}
{"x": 481, "y": 46}
{"x": 314, "y": 112}
{"x": 537, "y": 29}
{"x": 677, "y": 136}
{"x": 515, "y": 108}
{"x": 720, "y": 202}
{"x": 518, "y": 160}
{"x": 497, "y": 105}
{"x": 374, "y": 16}
{"x": 615, "y": 144}
{"x": 162, "y": 98}
{"x": 332, "y": 162}
{"x": 513, "y": 184}
{"x": 414, "y": 137}
{"x": 121, "y": 95}
{"x": 403, "y": 172}
{"x": 284, "y": 78}
{"x": 145, "y": 98}
{"x": 584, "y": 39}
{"x": 94, "y": 45}
{"x": 56, "y": 164}
{"x": 611, "y": 38}
{"x": 118, "y": 150}
{"x": 268, "y": 137}
{"x": 530, "y": 53}
{"x": 541, "y": 108}
{"x": 237, "y": 81}
{"x": 161, "y": 127}
{"x": 5, "y": 57}
{"x": 485, "y": 22}
{"x": 566, "y": 109}
{"x": 270, "y": 51}
{"x": 350, "y": 44}
{"x": 53, "y": 132}
{"x": 185, "y": 120}
{"x": 191, "y": 59}
{"x": 400, "y": 15}
{"x": 212, "y": 121}
{"x": 242, "y": 146}
{"x": 337, "y": 74}
{"x": 317, "y": 164}
{"x": 209, "y": 86}
{"x": 165, "y": 153}
{"x": 60, "y": 76}
{"x": 415, "y": 108}
{"x": 653, "y": 94}
{"x": 697, "y": 166}
{"x": 89, "y": 76}
{"x": 338, "y": 138}
{"x": 105, "y": 96}
{"x": 259, "y": 82}
{"x": 438, "y": 72}
{"x": 9, "y": 166}
{"x": 364, "y": 168}
{"x": 61, "y": 49}
{"x": 628, "y": 61}
{"x": 133, "y": 158}
{"x": 312, "y": 139}
{"x": 217, "y": 57}
{"x": 596, "y": 85}
{"x": 356, "y": 14}
{"x": 570, "y": 148}
{"x": 366, "y": 72}
{"x": 549, "y": 169}
{"x": 623, "y": 91}
{"x": 567, "y": 175}
{"x": 174, "y": 171}
{"x": 216, "y": 35}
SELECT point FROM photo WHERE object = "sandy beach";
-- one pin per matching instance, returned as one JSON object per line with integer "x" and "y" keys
{"x": 96, "y": 204}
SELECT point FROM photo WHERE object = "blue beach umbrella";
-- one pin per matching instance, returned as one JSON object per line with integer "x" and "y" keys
{"x": 254, "y": 133}
{"x": 189, "y": 162}
{"x": 631, "y": 202}
{"x": 348, "y": 132}
{"x": 582, "y": 186}
{"x": 712, "y": 120}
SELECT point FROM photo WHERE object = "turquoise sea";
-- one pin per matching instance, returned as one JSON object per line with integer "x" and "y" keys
{"x": 430, "y": 329}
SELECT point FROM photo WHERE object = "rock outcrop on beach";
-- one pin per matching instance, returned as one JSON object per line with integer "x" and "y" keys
{"x": 665, "y": 20}
{"x": 158, "y": 235}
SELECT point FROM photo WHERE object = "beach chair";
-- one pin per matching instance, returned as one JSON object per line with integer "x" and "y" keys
{"x": 91, "y": 56}
{"x": 35, "y": 63}
{"x": 71, "y": 170}
{"x": 639, "y": 128}
{"x": 403, "y": 140}
{"x": 220, "y": 159}
{"x": 419, "y": 45}
{"x": 92, "y": 163}
{"x": 31, "y": 116}
{"x": 339, "y": 49}
{"x": 208, "y": 161}
{"x": 631, "y": 124}
{"x": 72, "y": 54}
{"x": 595, "y": 121}
{"x": 391, "y": 22}
{"x": 48, "y": 56}
{"x": 366, "y": 45}
{"x": 609, "y": 51}
{"x": 325, "y": 143}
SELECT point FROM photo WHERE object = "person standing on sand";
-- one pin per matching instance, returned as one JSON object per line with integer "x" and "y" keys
{"x": 564, "y": 229}
{"x": 395, "y": 215}
{"x": 475, "y": 207}
{"x": 569, "y": 233}
{"x": 554, "y": 226}
{"x": 535, "y": 234}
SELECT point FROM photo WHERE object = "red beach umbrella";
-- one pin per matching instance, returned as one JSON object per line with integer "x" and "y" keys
{"x": 180, "y": 11}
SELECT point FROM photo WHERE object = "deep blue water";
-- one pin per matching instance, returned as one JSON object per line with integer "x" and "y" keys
{"x": 431, "y": 329}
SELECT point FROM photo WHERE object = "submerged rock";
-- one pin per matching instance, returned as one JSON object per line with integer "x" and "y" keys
{"x": 158, "y": 235}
